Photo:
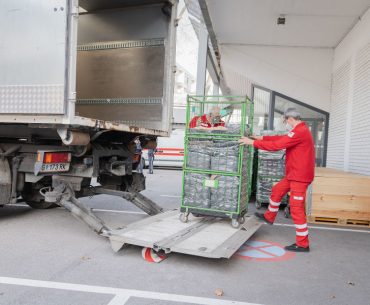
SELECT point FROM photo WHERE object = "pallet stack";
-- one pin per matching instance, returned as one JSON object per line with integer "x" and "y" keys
{"x": 339, "y": 198}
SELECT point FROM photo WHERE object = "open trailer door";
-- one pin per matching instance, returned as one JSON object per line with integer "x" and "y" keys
{"x": 35, "y": 58}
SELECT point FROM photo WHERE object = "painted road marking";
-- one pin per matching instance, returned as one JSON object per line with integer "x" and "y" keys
{"x": 171, "y": 196}
{"x": 119, "y": 300}
{"x": 119, "y": 211}
{"x": 325, "y": 228}
{"x": 120, "y": 294}
{"x": 263, "y": 251}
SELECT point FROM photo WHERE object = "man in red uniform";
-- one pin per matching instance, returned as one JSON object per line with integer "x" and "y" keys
{"x": 299, "y": 173}
{"x": 212, "y": 119}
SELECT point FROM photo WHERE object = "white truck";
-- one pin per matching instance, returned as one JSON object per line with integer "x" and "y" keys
{"x": 83, "y": 84}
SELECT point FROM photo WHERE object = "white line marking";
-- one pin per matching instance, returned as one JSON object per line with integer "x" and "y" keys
{"x": 119, "y": 300}
{"x": 171, "y": 196}
{"x": 325, "y": 228}
{"x": 119, "y": 291}
{"x": 119, "y": 211}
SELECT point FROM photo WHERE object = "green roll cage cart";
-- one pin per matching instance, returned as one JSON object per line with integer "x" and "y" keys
{"x": 217, "y": 171}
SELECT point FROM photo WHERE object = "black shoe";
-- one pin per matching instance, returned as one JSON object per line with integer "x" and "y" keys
{"x": 261, "y": 216}
{"x": 295, "y": 248}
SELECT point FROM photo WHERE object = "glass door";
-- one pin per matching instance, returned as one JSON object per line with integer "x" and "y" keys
{"x": 315, "y": 120}
{"x": 261, "y": 98}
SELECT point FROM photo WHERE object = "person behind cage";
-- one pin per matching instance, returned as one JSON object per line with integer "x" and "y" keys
{"x": 151, "y": 156}
{"x": 299, "y": 173}
{"x": 139, "y": 151}
{"x": 209, "y": 120}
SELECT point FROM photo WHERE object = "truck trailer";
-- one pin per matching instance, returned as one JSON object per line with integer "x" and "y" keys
{"x": 84, "y": 87}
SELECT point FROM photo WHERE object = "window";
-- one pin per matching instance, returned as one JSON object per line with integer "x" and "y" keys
{"x": 261, "y": 99}
{"x": 269, "y": 109}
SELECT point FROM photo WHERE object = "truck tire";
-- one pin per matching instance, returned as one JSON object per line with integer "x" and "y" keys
{"x": 41, "y": 205}
{"x": 34, "y": 199}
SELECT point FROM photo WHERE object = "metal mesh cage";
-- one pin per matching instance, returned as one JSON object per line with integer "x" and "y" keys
{"x": 217, "y": 170}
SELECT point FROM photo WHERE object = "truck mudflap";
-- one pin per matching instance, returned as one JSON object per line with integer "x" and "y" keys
{"x": 200, "y": 236}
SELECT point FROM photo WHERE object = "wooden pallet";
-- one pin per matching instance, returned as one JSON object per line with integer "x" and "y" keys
{"x": 339, "y": 221}
{"x": 340, "y": 198}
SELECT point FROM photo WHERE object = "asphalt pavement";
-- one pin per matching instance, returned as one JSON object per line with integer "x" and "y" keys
{"x": 49, "y": 257}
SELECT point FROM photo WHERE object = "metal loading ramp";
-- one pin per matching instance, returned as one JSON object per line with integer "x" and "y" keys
{"x": 200, "y": 236}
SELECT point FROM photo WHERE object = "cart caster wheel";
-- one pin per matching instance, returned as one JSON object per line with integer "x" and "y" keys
{"x": 151, "y": 256}
{"x": 286, "y": 212}
{"x": 258, "y": 205}
{"x": 184, "y": 217}
{"x": 241, "y": 220}
{"x": 235, "y": 223}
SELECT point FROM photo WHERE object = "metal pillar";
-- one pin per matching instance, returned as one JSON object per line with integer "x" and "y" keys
{"x": 216, "y": 89}
{"x": 202, "y": 59}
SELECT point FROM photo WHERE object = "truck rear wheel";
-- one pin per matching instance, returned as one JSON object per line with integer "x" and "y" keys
{"x": 34, "y": 199}
{"x": 41, "y": 205}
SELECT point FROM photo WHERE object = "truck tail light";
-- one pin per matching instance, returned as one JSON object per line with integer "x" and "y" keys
{"x": 54, "y": 157}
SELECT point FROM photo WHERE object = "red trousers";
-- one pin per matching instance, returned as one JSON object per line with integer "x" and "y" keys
{"x": 297, "y": 207}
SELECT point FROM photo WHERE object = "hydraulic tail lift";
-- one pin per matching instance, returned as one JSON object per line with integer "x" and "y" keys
{"x": 162, "y": 232}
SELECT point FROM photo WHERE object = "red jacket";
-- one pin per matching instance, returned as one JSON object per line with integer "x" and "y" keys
{"x": 300, "y": 152}
{"x": 203, "y": 122}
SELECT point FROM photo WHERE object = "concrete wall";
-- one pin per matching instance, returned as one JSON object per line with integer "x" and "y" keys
{"x": 349, "y": 127}
{"x": 299, "y": 72}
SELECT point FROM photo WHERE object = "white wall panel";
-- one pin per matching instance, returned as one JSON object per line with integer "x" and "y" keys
{"x": 359, "y": 149}
{"x": 349, "y": 126}
{"x": 354, "y": 41}
{"x": 338, "y": 116}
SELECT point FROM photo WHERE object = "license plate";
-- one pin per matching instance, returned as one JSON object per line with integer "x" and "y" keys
{"x": 55, "y": 167}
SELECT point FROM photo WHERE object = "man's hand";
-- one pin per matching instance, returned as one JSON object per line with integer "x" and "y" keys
{"x": 257, "y": 137}
{"x": 246, "y": 141}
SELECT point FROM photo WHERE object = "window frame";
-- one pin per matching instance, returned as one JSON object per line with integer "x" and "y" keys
{"x": 271, "y": 115}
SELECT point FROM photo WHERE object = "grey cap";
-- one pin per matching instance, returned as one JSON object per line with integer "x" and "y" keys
{"x": 292, "y": 113}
